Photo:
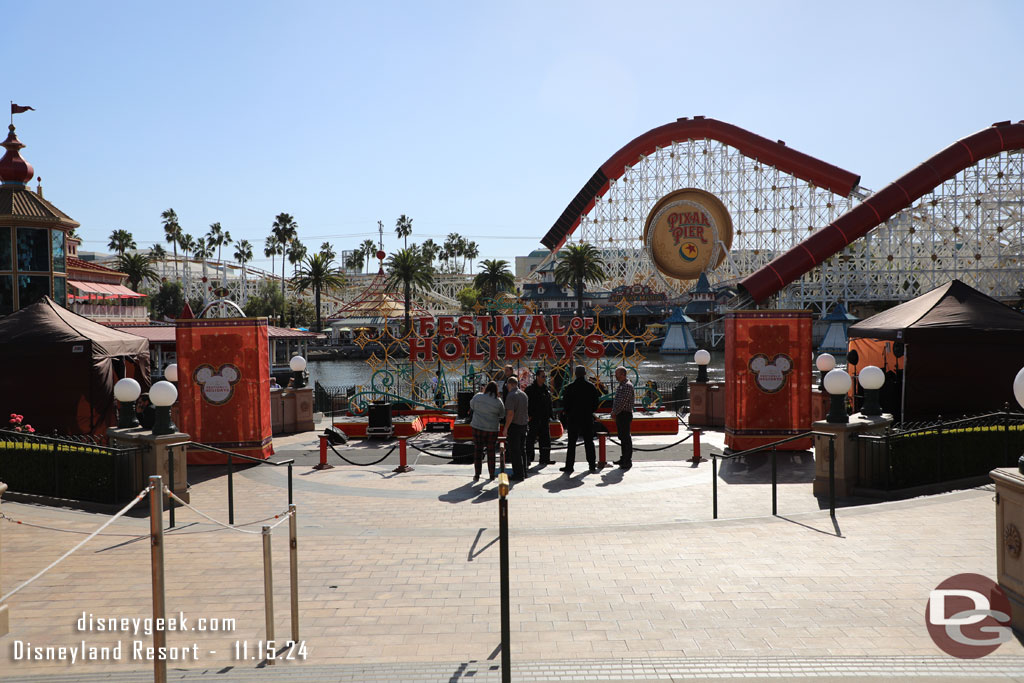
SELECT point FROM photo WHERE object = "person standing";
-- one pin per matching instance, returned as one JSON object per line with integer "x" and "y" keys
{"x": 487, "y": 411}
{"x": 540, "y": 416}
{"x": 581, "y": 399}
{"x": 622, "y": 412}
{"x": 517, "y": 418}
{"x": 509, "y": 372}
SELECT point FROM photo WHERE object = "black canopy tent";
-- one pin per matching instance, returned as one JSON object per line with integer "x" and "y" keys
{"x": 962, "y": 350}
{"x": 58, "y": 369}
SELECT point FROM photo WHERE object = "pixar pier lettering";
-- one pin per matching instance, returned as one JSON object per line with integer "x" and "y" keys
{"x": 508, "y": 337}
{"x": 688, "y": 225}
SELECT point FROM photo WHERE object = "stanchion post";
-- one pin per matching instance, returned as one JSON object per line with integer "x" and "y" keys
{"x": 231, "y": 490}
{"x": 156, "y": 542}
{"x": 775, "y": 482}
{"x": 268, "y": 594}
{"x": 714, "y": 486}
{"x": 322, "y": 465}
{"x": 832, "y": 475}
{"x": 506, "y": 609}
{"x": 403, "y": 462}
{"x": 170, "y": 482}
{"x": 293, "y": 566}
{"x": 290, "y": 483}
{"x": 696, "y": 445}
{"x": 602, "y": 448}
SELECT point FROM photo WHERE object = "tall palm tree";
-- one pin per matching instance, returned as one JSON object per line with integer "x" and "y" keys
{"x": 403, "y": 228}
{"x": 408, "y": 270}
{"x": 205, "y": 249}
{"x": 218, "y": 237}
{"x": 285, "y": 229}
{"x": 577, "y": 265}
{"x": 451, "y": 248}
{"x": 137, "y": 267}
{"x": 319, "y": 272}
{"x": 159, "y": 254}
{"x": 430, "y": 249}
{"x": 188, "y": 245}
{"x": 121, "y": 241}
{"x": 328, "y": 248}
{"x": 472, "y": 251}
{"x": 369, "y": 248}
{"x": 172, "y": 234}
{"x": 271, "y": 248}
{"x": 243, "y": 254}
{"x": 355, "y": 260}
{"x": 296, "y": 252}
{"x": 494, "y": 277}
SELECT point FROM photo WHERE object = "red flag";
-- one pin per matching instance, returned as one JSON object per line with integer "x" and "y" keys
{"x": 18, "y": 109}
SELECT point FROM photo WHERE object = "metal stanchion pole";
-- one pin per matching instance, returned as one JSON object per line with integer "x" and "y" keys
{"x": 170, "y": 485}
{"x": 156, "y": 542}
{"x": 832, "y": 475}
{"x": 293, "y": 566}
{"x": 714, "y": 486}
{"x": 403, "y": 464}
{"x": 322, "y": 465}
{"x": 602, "y": 450}
{"x": 290, "y": 499}
{"x": 696, "y": 445}
{"x": 775, "y": 483}
{"x": 268, "y": 593}
{"x": 506, "y": 610}
{"x": 231, "y": 490}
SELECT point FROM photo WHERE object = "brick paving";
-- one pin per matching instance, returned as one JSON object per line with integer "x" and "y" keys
{"x": 614, "y": 577}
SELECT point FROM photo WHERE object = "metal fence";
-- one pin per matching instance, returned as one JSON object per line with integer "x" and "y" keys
{"x": 68, "y": 468}
{"x": 940, "y": 451}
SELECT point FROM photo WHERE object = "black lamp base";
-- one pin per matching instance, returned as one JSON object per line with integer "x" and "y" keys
{"x": 871, "y": 407}
{"x": 126, "y": 417}
{"x": 162, "y": 423}
{"x": 702, "y": 374}
{"x": 837, "y": 412}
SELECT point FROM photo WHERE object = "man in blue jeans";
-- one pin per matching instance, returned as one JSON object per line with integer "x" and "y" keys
{"x": 517, "y": 418}
{"x": 622, "y": 411}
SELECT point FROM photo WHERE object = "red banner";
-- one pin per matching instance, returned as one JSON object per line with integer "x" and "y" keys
{"x": 224, "y": 386}
{"x": 767, "y": 378}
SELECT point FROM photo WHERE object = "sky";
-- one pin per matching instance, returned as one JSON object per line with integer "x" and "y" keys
{"x": 479, "y": 118}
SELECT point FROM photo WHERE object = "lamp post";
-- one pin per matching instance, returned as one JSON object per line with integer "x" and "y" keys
{"x": 162, "y": 395}
{"x": 871, "y": 378}
{"x": 127, "y": 391}
{"x": 171, "y": 372}
{"x": 824, "y": 363}
{"x": 837, "y": 383}
{"x": 298, "y": 366}
{"x": 702, "y": 358}
{"x": 1018, "y": 393}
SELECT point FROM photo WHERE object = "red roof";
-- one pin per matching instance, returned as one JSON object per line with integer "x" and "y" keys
{"x": 75, "y": 263}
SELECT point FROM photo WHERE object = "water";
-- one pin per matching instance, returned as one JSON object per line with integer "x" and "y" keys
{"x": 667, "y": 371}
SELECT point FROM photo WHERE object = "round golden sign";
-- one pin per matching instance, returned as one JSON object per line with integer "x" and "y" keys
{"x": 687, "y": 232}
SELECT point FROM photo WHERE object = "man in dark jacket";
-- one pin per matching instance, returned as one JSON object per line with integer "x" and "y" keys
{"x": 580, "y": 399}
{"x": 540, "y": 416}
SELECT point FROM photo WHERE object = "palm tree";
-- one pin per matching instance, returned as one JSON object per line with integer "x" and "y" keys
{"x": 355, "y": 260}
{"x": 577, "y": 265}
{"x": 403, "y": 228}
{"x": 285, "y": 229}
{"x": 218, "y": 237}
{"x": 296, "y": 252}
{"x": 409, "y": 270}
{"x": 430, "y": 249}
{"x": 451, "y": 248}
{"x": 472, "y": 251}
{"x": 205, "y": 250}
{"x": 271, "y": 248}
{"x": 172, "y": 234}
{"x": 369, "y": 248}
{"x": 188, "y": 245}
{"x": 243, "y": 254}
{"x": 318, "y": 272}
{"x": 137, "y": 267}
{"x": 121, "y": 241}
{"x": 328, "y": 248}
{"x": 494, "y": 277}
{"x": 159, "y": 254}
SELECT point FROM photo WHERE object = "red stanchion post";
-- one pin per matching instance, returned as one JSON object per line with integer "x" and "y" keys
{"x": 602, "y": 451}
{"x": 323, "y": 455}
{"x": 696, "y": 446}
{"x": 403, "y": 465}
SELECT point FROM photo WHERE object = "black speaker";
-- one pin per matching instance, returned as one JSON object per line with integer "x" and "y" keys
{"x": 464, "y": 398}
{"x": 380, "y": 415}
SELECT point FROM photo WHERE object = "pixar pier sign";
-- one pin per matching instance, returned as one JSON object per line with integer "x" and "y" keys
{"x": 502, "y": 338}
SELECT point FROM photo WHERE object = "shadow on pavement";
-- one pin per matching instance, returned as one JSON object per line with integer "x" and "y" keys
{"x": 460, "y": 494}
{"x": 564, "y": 483}
{"x": 611, "y": 476}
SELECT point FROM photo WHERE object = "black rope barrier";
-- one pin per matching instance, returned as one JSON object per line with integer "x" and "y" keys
{"x": 361, "y": 464}
{"x": 426, "y": 452}
{"x": 654, "y": 450}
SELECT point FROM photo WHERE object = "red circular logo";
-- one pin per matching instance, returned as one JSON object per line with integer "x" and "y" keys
{"x": 968, "y": 616}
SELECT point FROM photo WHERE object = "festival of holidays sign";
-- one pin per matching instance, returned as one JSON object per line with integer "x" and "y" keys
{"x": 688, "y": 232}
{"x": 502, "y": 338}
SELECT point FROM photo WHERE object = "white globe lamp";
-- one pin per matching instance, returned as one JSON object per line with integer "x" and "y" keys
{"x": 298, "y": 366}
{"x": 837, "y": 383}
{"x": 163, "y": 395}
{"x": 702, "y": 358}
{"x": 171, "y": 372}
{"x": 824, "y": 363}
{"x": 127, "y": 392}
{"x": 871, "y": 378}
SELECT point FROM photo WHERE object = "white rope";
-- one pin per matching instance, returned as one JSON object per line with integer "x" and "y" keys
{"x": 126, "y": 508}
{"x": 283, "y": 519}
{"x": 203, "y": 514}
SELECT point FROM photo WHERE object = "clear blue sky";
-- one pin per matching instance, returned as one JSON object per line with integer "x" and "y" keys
{"x": 478, "y": 118}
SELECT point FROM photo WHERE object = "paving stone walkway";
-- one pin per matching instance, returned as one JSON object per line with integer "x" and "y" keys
{"x": 614, "y": 577}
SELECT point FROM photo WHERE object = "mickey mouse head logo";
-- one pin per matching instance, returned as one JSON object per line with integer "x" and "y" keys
{"x": 217, "y": 386}
{"x": 771, "y": 377}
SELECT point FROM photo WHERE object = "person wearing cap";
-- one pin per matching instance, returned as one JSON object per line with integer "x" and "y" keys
{"x": 517, "y": 418}
{"x": 580, "y": 399}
